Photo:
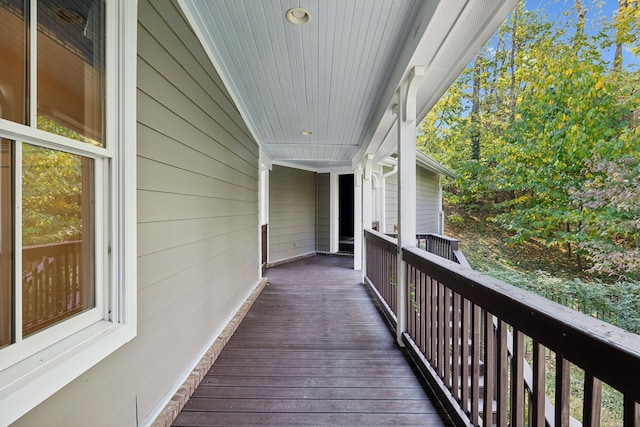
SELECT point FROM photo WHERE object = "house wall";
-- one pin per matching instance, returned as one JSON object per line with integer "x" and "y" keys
{"x": 391, "y": 201}
{"x": 198, "y": 238}
{"x": 427, "y": 204}
{"x": 292, "y": 213}
{"x": 323, "y": 212}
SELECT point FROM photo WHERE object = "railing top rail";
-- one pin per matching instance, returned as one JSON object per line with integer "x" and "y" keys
{"x": 608, "y": 352}
{"x": 439, "y": 236}
{"x": 381, "y": 239}
{"x": 52, "y": 245}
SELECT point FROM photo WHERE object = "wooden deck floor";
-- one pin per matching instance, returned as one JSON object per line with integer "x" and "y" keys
{"x": 313, "y": 350}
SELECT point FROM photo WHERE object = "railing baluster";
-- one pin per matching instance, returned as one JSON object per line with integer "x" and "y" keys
{"x": 489, "y": 368}
{"x": 503, "y": 373}
{"x": 475, "y": 363}
{"x": 411, "y": 314}
{"x": 433, "y": 285}
{"x": 424, "y": 307}
{"x": 455, "y": 352}
{"x": 631, "y": 417}
{"x": 441, "y": 327}
{"x": 563, "y": 383}
{"x": 592, "y": 401}
{"x": 447, "y": 337}
{"x": 429, "y": 319}
{"x": 464, "y": 360}
{"x": 517, "y": 380}
{"x": 538, "y": 395}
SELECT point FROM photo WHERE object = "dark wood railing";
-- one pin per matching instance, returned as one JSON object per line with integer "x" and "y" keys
{"x": 444, "y": 246}
{"x": 264, "y": 242}
{"x": 457, "y": 309}
{"x": 468, "y": 334}
{"x": 381, "y": 263}
{"x": 52, "y": 285}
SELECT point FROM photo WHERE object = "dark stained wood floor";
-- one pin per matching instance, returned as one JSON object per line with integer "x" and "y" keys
{"x": 313, "y": 350}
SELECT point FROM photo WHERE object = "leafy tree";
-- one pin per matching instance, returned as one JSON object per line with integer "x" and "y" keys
{"x": 571, "y": 116}
{"x": 51, "y": 196}
{"x": 53, "y": 202}
{"x": 611, "y": 200}
{"x": 529, "y": 120}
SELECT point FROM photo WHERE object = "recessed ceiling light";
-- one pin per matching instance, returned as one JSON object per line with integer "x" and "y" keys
{"x": 307, "y": 132}
{"x": 298, "y": 16}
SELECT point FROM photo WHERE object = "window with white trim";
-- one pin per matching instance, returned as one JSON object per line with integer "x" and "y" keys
{"x": 67, "y": 189}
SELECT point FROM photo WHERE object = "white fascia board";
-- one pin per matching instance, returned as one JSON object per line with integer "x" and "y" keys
{"x": 423, "y": 161}
{"x": 432, "y": 165}
{"x": 455, "y": 54}
{"x": 444, "y": 58}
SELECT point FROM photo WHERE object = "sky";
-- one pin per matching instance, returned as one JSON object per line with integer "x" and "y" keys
{"x": 595, "y": 11}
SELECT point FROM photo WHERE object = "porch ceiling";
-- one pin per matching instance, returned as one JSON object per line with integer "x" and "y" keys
{"x": 337, "y": 75}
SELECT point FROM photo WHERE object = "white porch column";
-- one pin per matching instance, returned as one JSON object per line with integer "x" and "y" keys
{"x": 367, "y": 205}
{"x": 406, "y": 119}
{"x": 357, "y": 219}
{"x": 334, "y": 204}
{"x": 263, "y": 195}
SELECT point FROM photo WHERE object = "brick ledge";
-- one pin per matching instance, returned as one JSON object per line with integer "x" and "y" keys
{"x": 180, "y": 398}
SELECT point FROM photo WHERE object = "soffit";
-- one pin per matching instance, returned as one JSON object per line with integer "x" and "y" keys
{"x": 335, "y": 76}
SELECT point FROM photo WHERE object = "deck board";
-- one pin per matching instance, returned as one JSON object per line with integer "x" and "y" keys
{"x": 313, "y": 350}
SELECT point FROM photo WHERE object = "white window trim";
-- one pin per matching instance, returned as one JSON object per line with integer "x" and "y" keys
{"x": 28, "y": 383}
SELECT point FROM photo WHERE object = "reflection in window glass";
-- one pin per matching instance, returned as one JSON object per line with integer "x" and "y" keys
{"x": 57, "y": 237}
{"x": 13, "y": 60}
{"x": 6, "y": 256}
{"x": 71, "y": 69}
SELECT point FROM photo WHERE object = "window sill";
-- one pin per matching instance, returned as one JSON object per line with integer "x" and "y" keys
{"x": 29, "y": 382}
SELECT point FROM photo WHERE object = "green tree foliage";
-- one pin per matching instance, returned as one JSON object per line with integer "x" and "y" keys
{"x": 51, "y": 196}
{"x": 52, "y": 191}
{"x": 610, "y": 199}
{"x": 553, "y": 116}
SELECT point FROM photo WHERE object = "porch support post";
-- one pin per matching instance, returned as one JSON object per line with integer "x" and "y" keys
{"x": 334, "y": 203}
{"x": 357, "y": 219}
{"x": 367, "y": 205}
{"x": 406, "y": 119}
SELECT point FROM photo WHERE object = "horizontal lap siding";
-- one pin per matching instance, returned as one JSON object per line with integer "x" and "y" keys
{"x": 427, "y": 201}
{"x": 198, "y": 257}
{"x": 292, "y": 213}
{"x": 391, "y": 202}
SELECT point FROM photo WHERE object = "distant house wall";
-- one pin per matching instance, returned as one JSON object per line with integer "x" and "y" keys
{"x": 197, "y": 230}
{"x": 292, "y": 213}
{"x": 323, "y": 214}
{"x": 391, "y": 201}
{"x": 427, "y": 202}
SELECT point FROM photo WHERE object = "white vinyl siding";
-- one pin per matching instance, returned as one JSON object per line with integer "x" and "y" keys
{"x": 323, "y": 225}
{"x": 427, "y": 204}
{"x": 427, "y": 201}
{"x": 292, "y": 213}
{"x": 198, "y": 252}
{"x": 391, "y": 202}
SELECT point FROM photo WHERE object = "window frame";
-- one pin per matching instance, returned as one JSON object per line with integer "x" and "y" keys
{"x": 72, "y": 347}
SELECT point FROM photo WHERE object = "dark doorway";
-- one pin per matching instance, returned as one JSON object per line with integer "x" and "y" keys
{"x": 345, "y": 213}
